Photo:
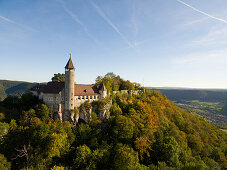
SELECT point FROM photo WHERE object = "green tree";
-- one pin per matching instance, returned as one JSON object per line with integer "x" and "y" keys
{"x": 171, "y": 151}
{"x": 98, "y": 80}
{"x": 4, "y": 164}
{"x": 110, "y": 75}
{"x": 44, "y": 113}
{"x": 58, "y": 77}
{"x": 27, "y": 116}
{"x": 86, "y": 158}
{"x": 123, "y": 128}
{"x": 125, "y": 158}
{"x": 115, "y": 110}
{"x": 4, "y": 128}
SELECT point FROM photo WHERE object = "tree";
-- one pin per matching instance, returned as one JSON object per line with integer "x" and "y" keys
{"x": 27, "y": 117}
{"x": 28, "y": 101}
{"x": 3, "y": 163}
{"x": 83, "y": 156}
{"x": 110, "y": 75}
{"x": 125, "y": 158}
{"x": 123, "y": 129}
{"x": 4, "y": 128}
{"x": 143, "y": 145}
{"x": 86, "y": 158}
{"x": 115, "y": 110}
{"x": 43, "y": 112}
{"x": 58, "y": 77}
{"x": 58, "y": 168}
{"x": 24, "y": 153}
{"x": 171, "y": 151}
{"x": 127, "y": 85}
{"x": 98, "y": 80}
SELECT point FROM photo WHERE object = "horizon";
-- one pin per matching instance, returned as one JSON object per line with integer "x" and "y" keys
{"x": 155, "y": 43}
{"x": 149, "y": 87}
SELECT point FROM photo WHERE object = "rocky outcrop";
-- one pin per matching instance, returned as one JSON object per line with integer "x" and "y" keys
{"x": 100, "y": 107}
{"x": 105, "y": 112}
{"x": 85, "y": 115}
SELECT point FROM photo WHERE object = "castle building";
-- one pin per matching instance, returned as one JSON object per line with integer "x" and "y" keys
{"x": 63, "y": 97}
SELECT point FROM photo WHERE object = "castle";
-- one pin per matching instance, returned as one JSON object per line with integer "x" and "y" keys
{"x": 63, "y": 97}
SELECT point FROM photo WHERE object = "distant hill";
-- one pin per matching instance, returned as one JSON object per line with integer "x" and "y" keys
{"x": 8, "y": 87}
{"x": 203, "y": 95}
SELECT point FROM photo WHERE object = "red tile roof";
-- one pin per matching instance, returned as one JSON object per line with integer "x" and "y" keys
{"x": 53, "y": 87}
{"x": 50, "y": 87}
{"x": 56, "y": 87}
{"x": 84, "y": 90}
{"x": 70, "y": 64}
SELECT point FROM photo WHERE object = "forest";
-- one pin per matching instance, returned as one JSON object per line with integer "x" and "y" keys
{"x": 144, "y": 131}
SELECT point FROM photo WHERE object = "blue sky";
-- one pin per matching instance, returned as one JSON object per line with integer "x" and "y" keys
{"x": 162, "y": 43}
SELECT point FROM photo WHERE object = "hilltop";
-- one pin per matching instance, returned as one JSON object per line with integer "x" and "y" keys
{"x": 8, "y": 87}
{"x": 144, "y": 131}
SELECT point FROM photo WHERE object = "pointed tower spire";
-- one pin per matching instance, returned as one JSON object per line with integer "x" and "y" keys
{"x": 70, "y": 64}
{"x": 102, "y": 87}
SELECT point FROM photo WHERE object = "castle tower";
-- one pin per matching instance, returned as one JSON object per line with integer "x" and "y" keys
{"x": 69, "y": 90}
{"x": 103, "y": 91}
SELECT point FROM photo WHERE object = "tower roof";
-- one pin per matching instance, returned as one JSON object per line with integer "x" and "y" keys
{"x": 70, "y": 64}
{"x": 102, "y": 87}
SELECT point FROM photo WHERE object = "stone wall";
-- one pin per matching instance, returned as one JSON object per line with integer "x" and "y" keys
{"x": 52, "y": 100}
{"x": 81, "y": 99}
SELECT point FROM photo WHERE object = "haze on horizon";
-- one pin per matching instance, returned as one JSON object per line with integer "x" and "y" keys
{"x": 158, "y": 43}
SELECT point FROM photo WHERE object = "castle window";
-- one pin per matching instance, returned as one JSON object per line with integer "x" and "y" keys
{"x": 50, "y": 98}
{"x": 90, "y": 97}
{"x": 82, "y": 97}
{"x": 78, "y": 97}
{"x": 56, "y": 98}
{"x": 94, "y": 97}
{"x": 62, "y": 99}
{"x": 97, "y": 97}
{"x": 86, "y": 97}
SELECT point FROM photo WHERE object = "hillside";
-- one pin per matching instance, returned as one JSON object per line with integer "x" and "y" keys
{"x": 8, "y": 87}
{"x": 144, "y": 131}
{"x": 208, "y": 103}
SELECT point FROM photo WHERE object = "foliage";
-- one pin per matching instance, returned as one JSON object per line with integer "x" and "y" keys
{"x": 144, "y": 131}
{"x": 4, "y": 164}
{"x": 58, "y": 77}
{"x": 125, "y": 158}
{"x": 116, "y": 83}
